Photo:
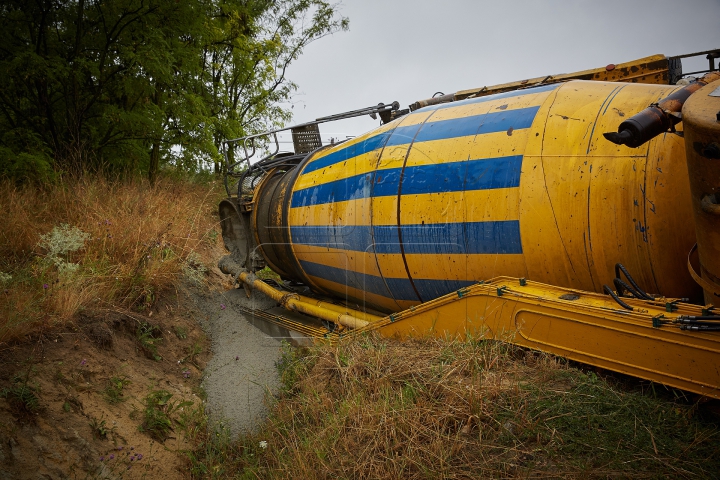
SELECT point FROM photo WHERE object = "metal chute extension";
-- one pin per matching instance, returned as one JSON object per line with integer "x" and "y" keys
{"x": 659, "y": 117}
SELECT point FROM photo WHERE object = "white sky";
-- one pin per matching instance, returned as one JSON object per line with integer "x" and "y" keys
{"x": 406, "y": 50}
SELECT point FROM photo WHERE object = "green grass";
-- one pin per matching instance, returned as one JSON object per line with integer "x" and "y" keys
{"x": 180, "y": 332}
{"x": 100, "y": 429}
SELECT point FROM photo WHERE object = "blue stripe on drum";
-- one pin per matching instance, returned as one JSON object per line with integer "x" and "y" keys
{"x": 481, "y": 174}
{"x": 499, "y": 237}
{"x": 398, "y": 288}
{"x": 432, "y": 289}
{"x": 451, "y": 128}
{"x": 491, "y": 122}
{"x": 401, "y": 288}
{"x": 357, "y": 149}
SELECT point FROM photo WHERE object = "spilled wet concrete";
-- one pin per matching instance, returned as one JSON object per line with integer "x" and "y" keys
{"x": 242, "y": 371}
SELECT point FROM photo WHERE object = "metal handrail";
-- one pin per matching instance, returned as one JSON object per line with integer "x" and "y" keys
{"x": 248, "y": 141}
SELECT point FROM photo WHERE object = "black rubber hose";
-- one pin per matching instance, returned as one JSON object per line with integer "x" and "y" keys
{"x": 701, "y": 328}
{"x": 699, "y": 317}
{"x": 610, "y": 292}
{"x": 621, "y": 286}
{"x": 696, "y": 322}
{"x": 620, "y": 268}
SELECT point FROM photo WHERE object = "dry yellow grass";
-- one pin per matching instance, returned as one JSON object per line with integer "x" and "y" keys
{"x": 141, "y": 239}
{"x": 381, "y": 408}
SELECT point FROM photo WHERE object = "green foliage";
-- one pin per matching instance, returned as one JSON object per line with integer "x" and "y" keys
{"x": 149, "y": 337}
{"x": 157, "y": 416}
{"x": 22, "y": 395}
{"x": 193, "y": 352}
{"x": 132, "y": 85}
{"x": 267, "y": 274}
{"x": 99, "y": 429}
{"x": 293, "y": 364}
{"x": 620, "y": 427}
{"x": 114, "y": 390}
{"x": 180, "y": 332}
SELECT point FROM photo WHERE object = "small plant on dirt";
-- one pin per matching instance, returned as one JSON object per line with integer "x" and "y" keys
{"x": 114, "y": 390}
{"x": 194, "y": 269}
{"x": 22, "y": 395}
{"x": 100, "y": 429}
{"x": 157, "y": 416}
{"x": 180, "y": 332}
{"x": 5, "y": 277}
{"x": 193, "y": 352}
{"x": 149, "y": 337}
{"x": 60, "y": 242}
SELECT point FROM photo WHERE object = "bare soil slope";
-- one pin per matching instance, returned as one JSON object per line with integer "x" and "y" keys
{"x": 105, "y": 386}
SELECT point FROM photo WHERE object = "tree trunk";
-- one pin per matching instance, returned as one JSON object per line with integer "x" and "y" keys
{"x": 154, "y": 163}
{"x": 155, "y": 152}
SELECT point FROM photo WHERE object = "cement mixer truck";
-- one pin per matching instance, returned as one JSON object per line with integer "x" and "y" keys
{"x": 576, "y": 214}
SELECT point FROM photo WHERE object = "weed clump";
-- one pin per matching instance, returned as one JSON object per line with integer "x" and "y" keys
{"x": 114, "y": 391}
{"x": 100, "y": 429}
{"x": 149, "y": 336}
{"x": 22, "y": 395}
{"x": 61, "y": 242}
{"x": 157, "y": 415}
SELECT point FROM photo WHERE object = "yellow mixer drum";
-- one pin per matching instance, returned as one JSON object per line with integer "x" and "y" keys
{"x": 520, "y": 184}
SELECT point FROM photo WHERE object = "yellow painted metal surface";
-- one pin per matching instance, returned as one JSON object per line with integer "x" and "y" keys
{"x": 582, "y": 326}
{"x": 702, "y": 129}
{"x": 521, "y": 183}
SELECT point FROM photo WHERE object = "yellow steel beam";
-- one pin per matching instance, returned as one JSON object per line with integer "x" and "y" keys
{"x": 653, "y": 69}
{"x": 583, "y": 326}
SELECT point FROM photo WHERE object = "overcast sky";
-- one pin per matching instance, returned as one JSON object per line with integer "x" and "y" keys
{"x": 406, "y": 50}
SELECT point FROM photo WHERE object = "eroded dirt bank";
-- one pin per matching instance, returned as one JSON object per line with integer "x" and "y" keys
{"x": 121, "y": 394}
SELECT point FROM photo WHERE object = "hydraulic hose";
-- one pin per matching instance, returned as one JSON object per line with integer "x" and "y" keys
{"x": 621, "y": 287}
{"x": 696, "y": 318}
{"x": 619, "y": 267}
{"x": 701, "y": 328}
{"x": 610, "y": 292}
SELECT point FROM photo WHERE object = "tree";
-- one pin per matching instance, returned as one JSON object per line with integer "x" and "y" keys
{"x": 128, "y": 85}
